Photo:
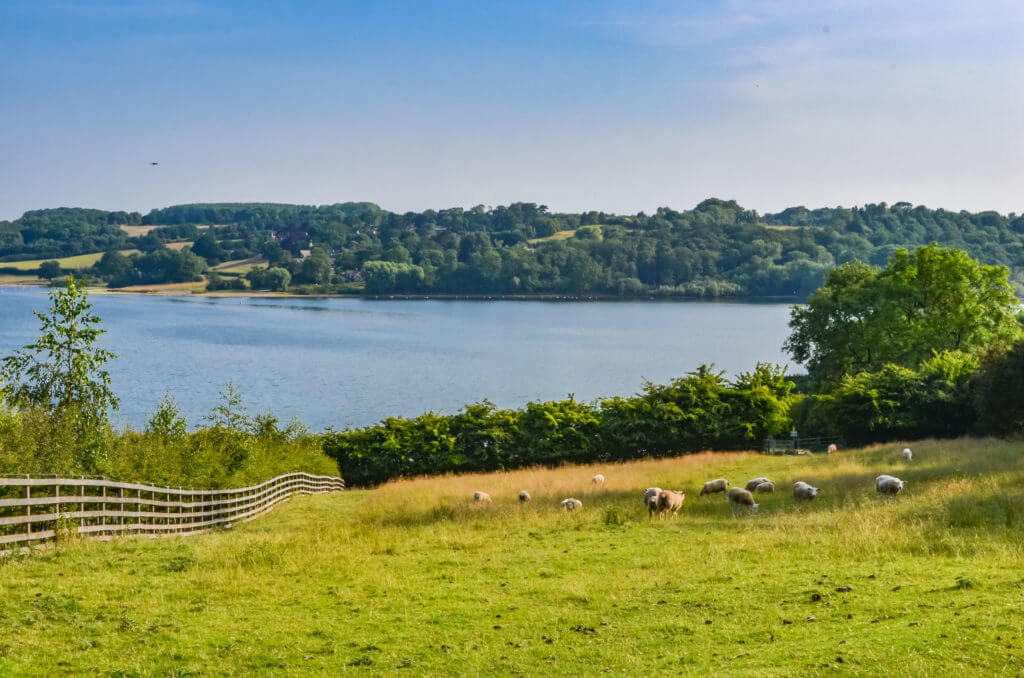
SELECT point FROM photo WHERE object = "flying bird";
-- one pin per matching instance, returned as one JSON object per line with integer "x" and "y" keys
{"x": 154, "y": 163}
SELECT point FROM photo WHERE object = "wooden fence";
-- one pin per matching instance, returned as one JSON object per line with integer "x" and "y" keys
{"x": 793, "y": 445}
{"x": 36, "y": 509}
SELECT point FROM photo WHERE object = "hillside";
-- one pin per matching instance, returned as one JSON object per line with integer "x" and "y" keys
{"x": 412, "y": 576}
{"x": 717, "y": 248}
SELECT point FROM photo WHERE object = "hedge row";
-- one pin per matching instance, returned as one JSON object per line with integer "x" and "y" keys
{"x": 702, "y": 410}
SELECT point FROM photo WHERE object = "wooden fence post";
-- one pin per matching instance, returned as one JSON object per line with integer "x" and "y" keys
{"x": 28, "y": 507}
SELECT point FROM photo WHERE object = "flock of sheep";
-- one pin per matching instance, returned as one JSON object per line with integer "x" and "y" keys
{"x": 660, "y": 502}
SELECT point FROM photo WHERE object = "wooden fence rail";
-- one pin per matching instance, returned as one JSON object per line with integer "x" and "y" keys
{"x": 36, "y": 509}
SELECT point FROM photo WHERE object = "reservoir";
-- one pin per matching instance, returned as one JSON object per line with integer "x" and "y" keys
{"x": 341, "y": 362}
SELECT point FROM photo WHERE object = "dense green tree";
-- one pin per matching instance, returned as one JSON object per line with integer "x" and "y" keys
{"x": 49, "y": 269}
{"x": 928, "y": 301}
{"x": 112, "y": 265}
{"x": 316, "y": 268}
{"x": 716, "y": 249}
{"x": 274, "y": 278}
{"x": 998, "y": 391}
{"x": 209, "y": 248}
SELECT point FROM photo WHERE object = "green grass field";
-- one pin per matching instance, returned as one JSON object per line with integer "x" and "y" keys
{"x": 557, "y": 235}
{"x": 241, "y": 266}
{"x": 67, "y": 263}
{"x": 414, "y": 578}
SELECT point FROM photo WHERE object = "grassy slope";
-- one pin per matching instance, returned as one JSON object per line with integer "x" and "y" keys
{"x": 68, "y": 263}
{"x": 412, "y": 575}
{"x": 558, "y": 235}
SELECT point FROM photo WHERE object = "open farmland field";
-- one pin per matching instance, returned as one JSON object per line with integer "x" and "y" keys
{"x": 162, "y": 288}
{"x": 558, "y": 235}
{"x": 413, "y": 578}
{"x": 241, "y": 266}
{"x": 136, "y": 230}
{"x": 67, "y": 263}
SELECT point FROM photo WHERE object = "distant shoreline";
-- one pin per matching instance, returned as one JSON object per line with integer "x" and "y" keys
{"x": 548, "y": 297}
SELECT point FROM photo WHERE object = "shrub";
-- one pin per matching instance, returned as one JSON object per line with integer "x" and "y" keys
{"x": 700, "y": 411}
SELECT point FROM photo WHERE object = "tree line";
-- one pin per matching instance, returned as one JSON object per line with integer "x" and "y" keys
{"x": 716, "y": 249}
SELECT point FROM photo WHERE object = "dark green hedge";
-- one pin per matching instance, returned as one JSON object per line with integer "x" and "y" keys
{"x": 699, "y": 411}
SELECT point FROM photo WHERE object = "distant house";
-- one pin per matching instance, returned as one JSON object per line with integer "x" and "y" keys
{"x": 304, "y": 253}
{"x": 353, "y": 276}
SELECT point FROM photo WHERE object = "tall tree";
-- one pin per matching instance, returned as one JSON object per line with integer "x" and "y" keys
{"x": 925, "y": 302}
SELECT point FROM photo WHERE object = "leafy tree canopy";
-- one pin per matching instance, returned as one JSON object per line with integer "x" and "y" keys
{"x": 932, "y": 300}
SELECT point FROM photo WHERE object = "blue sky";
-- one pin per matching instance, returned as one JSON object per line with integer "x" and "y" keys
{"x": 619, "y": 106}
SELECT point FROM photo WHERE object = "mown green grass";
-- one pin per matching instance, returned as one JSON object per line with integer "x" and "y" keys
{"x": 413, "y": 577}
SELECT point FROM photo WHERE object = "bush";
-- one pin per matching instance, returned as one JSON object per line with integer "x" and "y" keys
{"x": 896, "y": 402}
{"x": 999, "y": 392}
{"x": 700, "y": 411}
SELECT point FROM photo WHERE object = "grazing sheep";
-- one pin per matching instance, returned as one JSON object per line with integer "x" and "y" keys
{"x": 738, "y": 498}
{"x": 571, "y": 504}
{"x": 803, "y": 491}
{"x": 889, "y": 485}
{"x": 907, "y": 454}
{"x": 766, "y": 486}
{"x": 755, "y": 482}
{"x": 651, "y": 500}
{"x": 669, "y": 500}
{"x": 481, "y": 497}
{"x": 713, "y": 486}
{"x": 524, "y": 495}
{"x": 598, "y": 479}
{"x": 832, "y": 448}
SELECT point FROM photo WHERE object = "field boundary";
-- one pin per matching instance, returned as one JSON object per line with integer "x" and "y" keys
{"x": 37, "y": 509}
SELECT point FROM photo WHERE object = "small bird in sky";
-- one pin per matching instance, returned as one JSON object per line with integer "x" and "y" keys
{"x": 154, "y": 163}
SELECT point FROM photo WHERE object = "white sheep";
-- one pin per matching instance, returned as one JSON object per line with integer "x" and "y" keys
{"x": 738, "y": 498}
{"x": 524, "y": 495}
{"x": 651, "y": 499}
{"x": 907, "y": 454}
{"x": 766, "y": 486}
{"x": 481, "y": 497}
{"x": 889, "y": 485}
{"x": 713, "y": 486}
{"x": 598, "y": 479}
{"x": 751, "y": 484}
{"x": 571, "y": 504}
{"x": 832, "y": 448}
{"x": 671, "y": 501}
{"x": 804, "y": 491}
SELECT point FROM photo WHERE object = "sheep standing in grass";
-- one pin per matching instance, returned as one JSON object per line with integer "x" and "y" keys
{"x": 670, "y": 501}
{"x": 524, "y": 495}
{"x": 907, "y": 454}
{"x": 738, "y": 498}
{"x": 598, "y": 479}
{"x": 755, "y": 482}
{"x": 713, "y": 486}
{"x": 832, "y": 448}
{"x": 571, "y": 504}
{"x": 803, "y": 491}
{"x": 889, "y": 485}
{"x": 766, "y": 486}
{"x": 481, "y": 497}
{"x": 651, "y": 500}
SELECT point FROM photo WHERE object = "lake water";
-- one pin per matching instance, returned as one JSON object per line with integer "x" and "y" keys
{"x": 336, "y": 362}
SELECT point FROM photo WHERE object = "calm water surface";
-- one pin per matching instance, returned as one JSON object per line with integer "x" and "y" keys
{"x": 335, "y": 362}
